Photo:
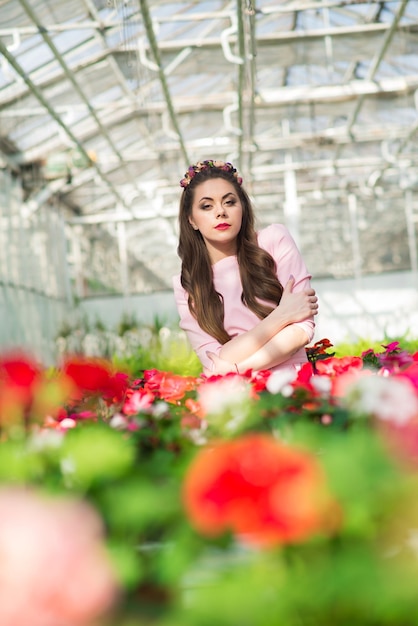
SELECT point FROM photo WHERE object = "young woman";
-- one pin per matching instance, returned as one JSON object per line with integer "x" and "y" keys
{"x": 244, "y": 298}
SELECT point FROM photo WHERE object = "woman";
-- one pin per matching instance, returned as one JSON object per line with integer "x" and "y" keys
{"x": 230, "y": 295}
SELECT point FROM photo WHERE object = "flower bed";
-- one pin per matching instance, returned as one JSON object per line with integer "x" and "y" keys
{"x": 151, "y": 497}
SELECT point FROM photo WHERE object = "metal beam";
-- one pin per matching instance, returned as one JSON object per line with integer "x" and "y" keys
{"x": 377, "y": 60}
{"x": 70, "y": 77}
{"x": 285, "y": 36}
{"x": 266, "y": 99}
{"x": 156, "y": 53}
{"x": 43, "y": 101}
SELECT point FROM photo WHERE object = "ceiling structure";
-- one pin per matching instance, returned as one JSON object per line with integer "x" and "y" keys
{"x": 104, "y": 103}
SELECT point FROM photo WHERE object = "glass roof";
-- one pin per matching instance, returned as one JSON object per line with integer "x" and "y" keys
{"x": 104, "y": 103}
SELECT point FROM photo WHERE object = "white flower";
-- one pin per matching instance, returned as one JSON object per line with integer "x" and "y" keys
{"x": 46, "y": 438}
{"x": 159, "y": 409}
{"x": 279, "y": 382}
{"x": 118, "y": 421}
{"x": 223, "y": 395}
{"x": 322, "y": 384}
{"x": 227, "y": 401}
{"x": 68, "y": 422}
{"x": 391, "y": 399}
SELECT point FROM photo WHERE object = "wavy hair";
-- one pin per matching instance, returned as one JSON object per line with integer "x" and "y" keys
{"x": 256, "y": 266}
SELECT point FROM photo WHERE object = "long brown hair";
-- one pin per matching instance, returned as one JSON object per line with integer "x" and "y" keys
{"x": 257, "y": 267}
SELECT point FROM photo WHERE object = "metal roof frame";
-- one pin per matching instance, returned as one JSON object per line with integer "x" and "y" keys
{"x": 313, "y": 100}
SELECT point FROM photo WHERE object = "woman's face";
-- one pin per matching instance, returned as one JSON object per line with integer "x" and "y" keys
{"x": 217, "y": 214}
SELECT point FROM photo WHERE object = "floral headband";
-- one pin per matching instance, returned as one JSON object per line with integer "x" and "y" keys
{"x": 206, "y": 165}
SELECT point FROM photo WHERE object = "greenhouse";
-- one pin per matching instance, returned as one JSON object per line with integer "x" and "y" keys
{"x": 208, "y": 494}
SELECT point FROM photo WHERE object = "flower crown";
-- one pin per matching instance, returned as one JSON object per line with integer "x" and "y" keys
{"x": 206, "y": 165}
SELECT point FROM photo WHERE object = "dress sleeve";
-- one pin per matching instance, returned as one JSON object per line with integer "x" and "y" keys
{"x": 277, "y": 240}
{"x": 200, "y": 341}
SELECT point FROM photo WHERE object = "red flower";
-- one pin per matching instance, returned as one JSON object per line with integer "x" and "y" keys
{"x": 20, "y": 378}
{"x": 194, "y": 407}
{"x": 19, "y": 370}
{"x": 153, "y": 378}
{"x": 340, "y": 368}
{"x": 264, "y": 491}
{"x": 259, "y": 380}
{"x": 304, "y": 378}
{"x": 95, "y": 376}
{"x": 336, "y": 366}
{"x": 169, "y": 387}
{"x": 117, "y": 387}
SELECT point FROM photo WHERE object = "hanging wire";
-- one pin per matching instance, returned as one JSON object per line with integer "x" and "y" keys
{"x": 250, "y": 7}
{"x": 129, "y": 27}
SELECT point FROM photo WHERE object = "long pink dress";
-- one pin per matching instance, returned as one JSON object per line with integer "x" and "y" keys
{"x": 277, "y": 240}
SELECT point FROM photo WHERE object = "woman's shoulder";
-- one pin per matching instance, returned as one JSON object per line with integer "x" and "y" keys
{"x": 272, "y": 234}
{"x": 177, "y": 286}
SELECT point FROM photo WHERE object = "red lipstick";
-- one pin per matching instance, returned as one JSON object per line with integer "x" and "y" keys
{"x": 223, "y": 226}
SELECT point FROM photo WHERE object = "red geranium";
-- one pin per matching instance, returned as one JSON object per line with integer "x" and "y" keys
{"x": 169, "y": 387}
{"x": 20, "y": 377}
{"x": 95, "y": 376}
{"x": 335, "y": 366}
{"x": 28, "y": 392}
{"x": 262, "y": 490}
{"x": 19, "y": 371}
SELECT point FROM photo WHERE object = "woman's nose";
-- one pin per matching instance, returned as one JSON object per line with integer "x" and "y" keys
{"x": 220, "y": 211}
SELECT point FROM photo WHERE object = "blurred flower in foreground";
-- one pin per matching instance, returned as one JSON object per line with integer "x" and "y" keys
{"x": 265, "y": 492}
{"x": 387, "y": 398}
{"x": 28, "y": 392}
{"x": 95, "y": 376}
{"x": 20, "y": 376}
{"x": 53, "y": 569}
{"x": 226, "y": 401}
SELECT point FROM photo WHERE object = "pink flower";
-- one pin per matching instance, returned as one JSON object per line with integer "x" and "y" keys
{"x": 401, "y": 441}
{"x": 53, "y": 569}
{"x": 410, "y": 373}
{"x": 137, "y": 401}
{"x": 394, "y": 359}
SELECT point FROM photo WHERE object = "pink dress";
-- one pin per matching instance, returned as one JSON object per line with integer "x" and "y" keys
{"x": 277, "y": 240}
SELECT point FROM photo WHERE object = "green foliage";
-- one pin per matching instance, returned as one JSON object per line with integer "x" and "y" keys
{"x": 94, "y": 453}
{"x": 132, "y": 346}
{"x": 171, "y": 353}
{"x": 127, "y": 322}
{"x": 356, "y": 348}
{"x": 361, "y": 569}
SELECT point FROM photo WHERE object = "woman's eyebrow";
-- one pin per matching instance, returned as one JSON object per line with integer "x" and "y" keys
{"x": 229, "y": 193}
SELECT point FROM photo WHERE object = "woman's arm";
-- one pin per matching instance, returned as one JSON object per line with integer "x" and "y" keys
{"x": 277, "y": 350}
{"x": 265, "y": 339}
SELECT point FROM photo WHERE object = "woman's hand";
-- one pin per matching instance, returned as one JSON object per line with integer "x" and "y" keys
{"x": 220, "y": 366}
{"x": 293, "y": 308}
{"x": 297, "y": 306}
